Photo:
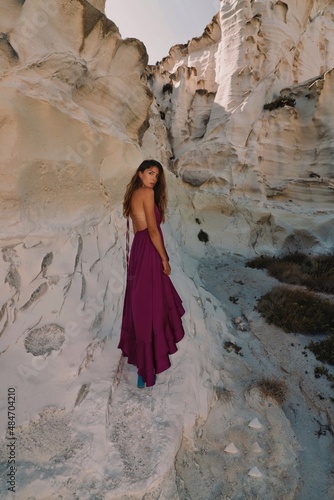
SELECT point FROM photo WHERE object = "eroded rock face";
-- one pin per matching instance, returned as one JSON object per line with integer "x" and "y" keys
{"x": 73, "y": 106}
{"x": 212, "y": 95}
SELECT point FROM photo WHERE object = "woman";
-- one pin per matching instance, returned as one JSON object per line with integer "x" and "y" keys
{"x": 151, "y": 324}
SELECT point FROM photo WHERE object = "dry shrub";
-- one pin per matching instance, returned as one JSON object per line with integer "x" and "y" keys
{"x": 260, "y": 262}
{"x": 272, "y": 388}
{"x": 224, "y": 395}
{"x": 297, "y": 311}
{"x": 288, "y": 272}
{"x": 320, "y": 270}
{"x": 314, "y": 272}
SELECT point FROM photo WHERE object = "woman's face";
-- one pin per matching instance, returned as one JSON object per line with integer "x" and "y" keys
{"x": 149, "y": 177}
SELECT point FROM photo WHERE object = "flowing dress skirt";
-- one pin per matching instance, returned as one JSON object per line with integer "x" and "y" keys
{"x": 151, "y": 323}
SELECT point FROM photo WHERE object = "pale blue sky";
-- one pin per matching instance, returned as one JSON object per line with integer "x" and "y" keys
{"x": 159, "y": 24}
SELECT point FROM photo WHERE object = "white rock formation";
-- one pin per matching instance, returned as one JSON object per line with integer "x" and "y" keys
{"x": 74, "y": 109}
{"x": 77, "y": 116}
{"x": 269, "y": 167}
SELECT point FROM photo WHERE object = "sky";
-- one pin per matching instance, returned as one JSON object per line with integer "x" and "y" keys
{"x": 160, "y": 24}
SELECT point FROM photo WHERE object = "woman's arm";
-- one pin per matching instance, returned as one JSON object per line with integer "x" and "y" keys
{"x": 148, "y": 203}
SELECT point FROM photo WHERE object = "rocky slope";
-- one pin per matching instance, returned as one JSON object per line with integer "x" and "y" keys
{"x": 80, "y": 109}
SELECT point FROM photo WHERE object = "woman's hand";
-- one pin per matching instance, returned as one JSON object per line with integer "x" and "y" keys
{"x": 166, "y": 267}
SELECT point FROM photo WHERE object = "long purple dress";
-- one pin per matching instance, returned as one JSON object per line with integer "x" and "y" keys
{"x": 151, "y": 324}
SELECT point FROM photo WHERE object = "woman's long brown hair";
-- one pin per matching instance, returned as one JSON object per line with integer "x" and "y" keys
{"x": 160, "y": 189}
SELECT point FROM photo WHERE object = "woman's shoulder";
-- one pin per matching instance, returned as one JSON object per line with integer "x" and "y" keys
{"x": 140, "y": 197}
{"x": 144, "y": 193}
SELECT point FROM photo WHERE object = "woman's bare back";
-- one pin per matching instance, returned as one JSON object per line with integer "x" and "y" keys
{"x": 142, "y": 213}
{"x": 137, "y": 212}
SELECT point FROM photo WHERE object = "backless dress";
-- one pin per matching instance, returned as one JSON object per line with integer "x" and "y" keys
{"x": 151, "y": 321}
